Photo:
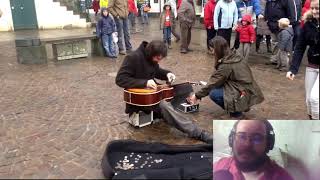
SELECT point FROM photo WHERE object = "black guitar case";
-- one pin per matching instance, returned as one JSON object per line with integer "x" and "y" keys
{"x": 129, "y": 159}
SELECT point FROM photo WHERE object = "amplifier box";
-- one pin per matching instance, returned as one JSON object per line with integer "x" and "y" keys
{"x": 188, "y": 108}
{"x": 141, "y": 119}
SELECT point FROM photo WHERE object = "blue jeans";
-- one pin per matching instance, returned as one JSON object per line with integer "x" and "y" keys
{"x": 144, "y": 17}
{"x": 167, "y": 35}
{"x": 132, "y": 19}
{"x": 107, "y": 42}
{"x": 216, "y": 95}
{"x": 123, "y": 34}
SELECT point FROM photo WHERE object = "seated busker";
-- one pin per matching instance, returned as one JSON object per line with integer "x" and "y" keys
{"x": 231, "y": 86}
{"x": 138, "y": 70}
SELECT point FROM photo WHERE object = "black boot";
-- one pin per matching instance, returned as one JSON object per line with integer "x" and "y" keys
{"x": 182, "y": 123}
{"x": 258, "y": 44}
{"x": 269, "y": 44}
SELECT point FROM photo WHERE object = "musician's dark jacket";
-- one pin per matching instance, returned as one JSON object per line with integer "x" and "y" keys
{"x": 235, "y": 76}
{"x": 136, "y": 70}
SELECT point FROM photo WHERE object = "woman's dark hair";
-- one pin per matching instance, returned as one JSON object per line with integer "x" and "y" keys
{"x": 220, "y": 46}
{"x": 156, "y": 48}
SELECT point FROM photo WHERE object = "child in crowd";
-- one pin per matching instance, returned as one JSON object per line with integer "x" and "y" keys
{"x": 285, "y": 38}
{"x": 247, "y": 36}
{"x": 166, "y": 21}
{"x": 106, "y": 30}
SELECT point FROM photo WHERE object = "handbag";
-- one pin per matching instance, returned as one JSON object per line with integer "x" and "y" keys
{"x": 146, "y": 8}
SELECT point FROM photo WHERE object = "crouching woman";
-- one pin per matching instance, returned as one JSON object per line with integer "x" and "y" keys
{"x": 231, "y": 86}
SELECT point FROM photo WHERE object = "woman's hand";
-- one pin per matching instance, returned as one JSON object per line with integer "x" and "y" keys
{"x": 290, "y": 75}
{"x": 192, "y": 99}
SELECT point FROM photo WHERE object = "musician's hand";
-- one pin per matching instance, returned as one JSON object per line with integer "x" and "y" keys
{"x": 151, "y": 84}
{"x": 171, "y": 77}
{"x": 192, "y": 99}
{"x": 290, "y": 75}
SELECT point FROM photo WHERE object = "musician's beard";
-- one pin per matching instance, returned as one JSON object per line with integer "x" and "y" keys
{"x": 251, "y": 166}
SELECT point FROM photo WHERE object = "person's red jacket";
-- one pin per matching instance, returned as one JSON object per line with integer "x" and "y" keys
{"x": 132, "y": 7}
{"x": 179, "y": 3}
{"x": 208, "y": 13}
{"x": 305, "y": 8}
{"x": 247, "y": 33}
{"x": 95, "y": 6}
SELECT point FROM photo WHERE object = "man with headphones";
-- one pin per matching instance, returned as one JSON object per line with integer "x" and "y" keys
{"x": 250, "y": 141}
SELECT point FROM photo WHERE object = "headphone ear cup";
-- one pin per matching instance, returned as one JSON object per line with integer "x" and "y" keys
{"x": 231, "y": 137}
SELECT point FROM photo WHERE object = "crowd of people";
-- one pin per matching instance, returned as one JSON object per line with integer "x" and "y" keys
{"x": 286, "y": 23}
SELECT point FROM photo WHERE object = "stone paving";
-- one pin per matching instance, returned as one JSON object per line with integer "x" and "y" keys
{"x": 56, "y": 119}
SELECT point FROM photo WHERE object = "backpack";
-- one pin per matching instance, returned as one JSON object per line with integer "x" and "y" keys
{"x": 130, "y": 159}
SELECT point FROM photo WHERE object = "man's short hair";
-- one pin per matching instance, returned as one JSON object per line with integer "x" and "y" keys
{"x": 156, "y": 48}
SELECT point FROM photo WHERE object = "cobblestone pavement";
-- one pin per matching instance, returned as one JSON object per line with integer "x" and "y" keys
{"x": 56, "y": 119}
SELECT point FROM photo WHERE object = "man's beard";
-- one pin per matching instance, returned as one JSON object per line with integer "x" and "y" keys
{"x": 251, "y": 166}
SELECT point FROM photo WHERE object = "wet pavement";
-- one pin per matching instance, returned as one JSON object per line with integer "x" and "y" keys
{"x": 56, "y": 119}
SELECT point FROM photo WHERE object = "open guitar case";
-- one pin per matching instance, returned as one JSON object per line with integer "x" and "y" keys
{"x": 129, "y": 159}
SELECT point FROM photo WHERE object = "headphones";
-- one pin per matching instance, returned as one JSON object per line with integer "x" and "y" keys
{"x": 270, "y": 135}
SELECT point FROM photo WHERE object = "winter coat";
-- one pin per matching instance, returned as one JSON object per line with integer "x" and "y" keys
{"x": 163, "y": 16}
{"x": 118, "y": 8}
{"x": 262, "y": 26}
{"x": 235, "y": 76}
{"x": 136, "y": 70}
{"x": 104, "y": 3}
{"x": 285, "y": 38}
{"x": 247, "y": 32}
{"x": 106, "y": 25}
{"x": 309, "y": 36}
{"x": 208, "y": 13}
{"x": 277, "y": 9}
{"x": 132, "y": 7}
{"x": 186, "y": 12}
{"x": 173, "y": 5}
{"x": 251, "y": 7}
{"x": 225, "y": 15}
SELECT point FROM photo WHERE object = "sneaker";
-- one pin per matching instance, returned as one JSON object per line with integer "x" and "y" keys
{"x": 184, "y": 51}
{"x": 122, "y": 52}
{"x": 169, "y": 47}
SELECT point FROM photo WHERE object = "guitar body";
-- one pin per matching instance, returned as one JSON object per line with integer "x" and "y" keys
{"x": 147, "y": 97}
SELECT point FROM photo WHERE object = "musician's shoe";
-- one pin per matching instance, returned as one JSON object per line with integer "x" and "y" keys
{"x": 206, "y": 137}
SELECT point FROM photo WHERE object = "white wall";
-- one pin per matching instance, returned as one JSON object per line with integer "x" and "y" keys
{"x": 298, "y": 138}
{"x": 6, "y": 23}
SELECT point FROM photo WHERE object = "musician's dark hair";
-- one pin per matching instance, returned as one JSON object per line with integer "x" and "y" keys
{"x": 156, "y": 48}
{"x": 220, "y": 46}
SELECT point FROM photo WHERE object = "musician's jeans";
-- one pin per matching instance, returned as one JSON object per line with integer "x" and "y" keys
{"x": 216, "y": 95}
{"x": 312, "y": 92}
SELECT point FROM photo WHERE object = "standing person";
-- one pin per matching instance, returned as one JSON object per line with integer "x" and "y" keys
{"x": 166, "y": 22}
{"x": 119, "y": 10}
{"x": 247, "y": 36}
{"x": 231, "y": 86}
{"x": 296, "y": 20}
{"x": 285, "y": 38}
{"x": 173, "y": 27}
{"x": 133, "y": 12}
{"x": 251, "y": 7}
{"x": 145, "y": 8}
{"x": 225, "y": 18}
{"x": 138, "y": 70}
{"x": 104, "y": 3}
{"x": 208, "y": 21}
{"x": 96, "y": 6}
{"x": 105, "y": 28}
{"x": 309, "y": 37}
{"x": 187, "y": 17}
{"x": 263, "y": 30}
{"x": 306, "y": 7}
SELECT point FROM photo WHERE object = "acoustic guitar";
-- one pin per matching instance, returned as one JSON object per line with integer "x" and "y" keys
{"x": 150, "y": 97}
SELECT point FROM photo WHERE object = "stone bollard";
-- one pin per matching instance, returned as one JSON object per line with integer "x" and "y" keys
{"x": 30, "y": 51}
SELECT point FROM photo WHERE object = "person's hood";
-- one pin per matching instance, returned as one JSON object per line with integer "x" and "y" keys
{"x": 167, "y": 4}
{"x": 233, "y": 57}
{"x": 102, "y": 9}
{"x": 247, "y": 18}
